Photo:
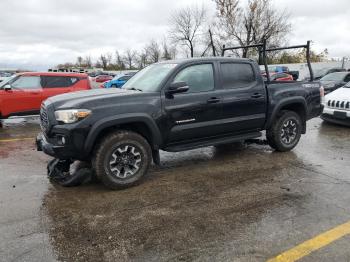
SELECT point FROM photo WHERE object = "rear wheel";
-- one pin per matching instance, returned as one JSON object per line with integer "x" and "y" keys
{"x": 122, "y": 159}
{"x": 285, "y": 132}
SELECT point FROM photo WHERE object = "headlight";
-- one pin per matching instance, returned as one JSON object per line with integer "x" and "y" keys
{"x": 71, "y": 115}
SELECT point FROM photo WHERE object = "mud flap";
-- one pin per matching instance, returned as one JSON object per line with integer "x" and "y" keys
{"x": 58, "y": 171}
{"x": 156, "y": 157}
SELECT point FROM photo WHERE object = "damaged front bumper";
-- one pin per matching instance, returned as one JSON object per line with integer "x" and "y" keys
{"x": 51, "y": 148}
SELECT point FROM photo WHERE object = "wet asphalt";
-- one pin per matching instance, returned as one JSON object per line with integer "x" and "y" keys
{"x": 233, "y": 203}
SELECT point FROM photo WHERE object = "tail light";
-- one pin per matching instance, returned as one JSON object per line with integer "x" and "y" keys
{"x": 322, "y": 94}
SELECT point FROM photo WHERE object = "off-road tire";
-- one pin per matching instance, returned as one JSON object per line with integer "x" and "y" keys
{"x": 275, "y": 133}
{"x": 109, "y": 146}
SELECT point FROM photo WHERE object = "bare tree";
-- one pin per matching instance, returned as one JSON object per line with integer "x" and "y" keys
{"x": 153, "y": 51}
{"x": 130, "y": 56}
{"x": 253, "y": 23}
{"x": 65, "y": 65}
{"x": 168, "y": 51}
{"x": 142, "y": 60}
{"x": 103, "y": 61}
{"x": 109, "y": 58}
{"x": 87, "y": 61}
{"x": 79, "y": 61}
{"x": 165, "y": 52}
{"x": 119, "y": 61}
{"x": 186, "y": 25}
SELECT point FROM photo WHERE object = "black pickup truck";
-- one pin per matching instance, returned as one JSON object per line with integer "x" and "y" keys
{"x": 173, "y": 106}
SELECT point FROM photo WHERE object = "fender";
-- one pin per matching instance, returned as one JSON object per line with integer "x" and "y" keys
{"x": 285, "y": 102}
{"x": 123, "y": 119}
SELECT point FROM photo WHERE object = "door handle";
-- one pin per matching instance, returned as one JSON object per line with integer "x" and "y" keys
{"x": 35, "y": 93}
{"x": 213, "y": 100}
{"x": 256, "y": 95}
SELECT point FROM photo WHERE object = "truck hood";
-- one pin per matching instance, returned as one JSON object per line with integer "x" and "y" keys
{"x": 342, "y": 93}
{"x": 74, "y": 99}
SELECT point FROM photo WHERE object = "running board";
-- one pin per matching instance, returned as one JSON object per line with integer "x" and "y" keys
{"x": 212, "y": 142}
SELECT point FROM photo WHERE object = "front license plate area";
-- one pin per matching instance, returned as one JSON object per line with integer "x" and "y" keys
{"x": 340, "y": 115}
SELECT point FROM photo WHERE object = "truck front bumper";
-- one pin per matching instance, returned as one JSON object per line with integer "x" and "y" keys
{"x": 54, "y": 150}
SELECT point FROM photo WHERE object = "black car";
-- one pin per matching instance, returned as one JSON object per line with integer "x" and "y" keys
{"x": 173, "y": 106}
{"x": 325, "y": 71}
{"x": 333, "y": 81}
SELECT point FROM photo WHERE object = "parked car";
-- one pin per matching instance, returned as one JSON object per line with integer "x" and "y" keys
{"x": 333, "y": 81}
{"x": 173, "y": 106}
{"x": 284, "y": 69}
{"x": 4, "y": 76}
{"x": 23, "y": 93}
{"x": 279, "y": 77}
{"x": 325, "y": 71}
{"x": 337, "y": 106}
{"x": 118, "y": 81}
{"x": 103, "y": 78}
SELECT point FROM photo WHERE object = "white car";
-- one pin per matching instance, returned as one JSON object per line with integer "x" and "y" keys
{"x": 337, "y": 106}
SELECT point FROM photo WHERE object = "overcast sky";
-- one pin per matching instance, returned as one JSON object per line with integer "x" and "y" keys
{"x": 43, "y": 33}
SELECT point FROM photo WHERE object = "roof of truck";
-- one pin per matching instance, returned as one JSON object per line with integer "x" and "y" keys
{"x": 206, "y": 59}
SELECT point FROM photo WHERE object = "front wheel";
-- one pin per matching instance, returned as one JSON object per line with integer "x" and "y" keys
{"x": 285, "y": 132}
{"x": 122, "y": 159}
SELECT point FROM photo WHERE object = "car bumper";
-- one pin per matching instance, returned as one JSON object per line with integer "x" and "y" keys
{"x": 336, "y": 116}
{"x": 56, "y": 151}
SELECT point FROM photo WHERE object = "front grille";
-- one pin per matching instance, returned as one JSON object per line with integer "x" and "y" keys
{"x": 344, "y": 105}
{"x": 44, "y": 119}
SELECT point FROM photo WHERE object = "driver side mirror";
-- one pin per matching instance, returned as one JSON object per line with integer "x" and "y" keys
{"x": 7, "y": 87}
{"x": 178, "y": 87}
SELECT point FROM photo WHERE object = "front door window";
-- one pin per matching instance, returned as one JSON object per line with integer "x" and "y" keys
{"x": 27, "y": 82}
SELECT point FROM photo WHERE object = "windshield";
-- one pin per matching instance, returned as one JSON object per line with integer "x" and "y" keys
{"x": 149, "y": 78}
{"x": 321, "y": 72}
{"x": 117, "y": 77}
{"x": 273, "y": 69}
{"x": 333, "y": 77}
{"x": 5, "y": 82}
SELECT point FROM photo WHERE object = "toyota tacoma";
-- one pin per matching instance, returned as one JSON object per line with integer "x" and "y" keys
{"x": 173, "y": 106}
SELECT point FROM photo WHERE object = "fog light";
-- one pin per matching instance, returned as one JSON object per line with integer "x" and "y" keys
{"x": 61, "y": 140}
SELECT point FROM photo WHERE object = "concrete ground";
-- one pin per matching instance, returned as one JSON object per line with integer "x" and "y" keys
{"x": 239, "y": 203}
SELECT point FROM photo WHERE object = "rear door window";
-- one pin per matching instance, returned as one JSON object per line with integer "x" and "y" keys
{"x": 236, "y": 75}
{"x": 58, "y": 81}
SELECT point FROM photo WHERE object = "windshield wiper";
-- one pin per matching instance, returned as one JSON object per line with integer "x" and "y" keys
{"x": 133, "y": 88}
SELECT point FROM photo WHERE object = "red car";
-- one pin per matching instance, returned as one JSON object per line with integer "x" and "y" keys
{"x": 279, "y": 77}
{"x": 103, "y": 78}
{"x": 23, "y": 93}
